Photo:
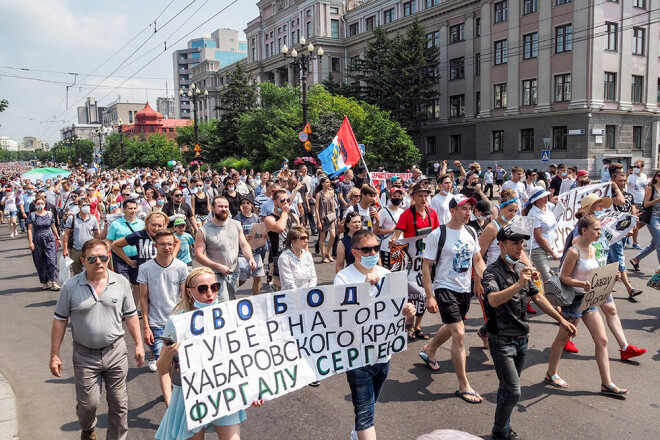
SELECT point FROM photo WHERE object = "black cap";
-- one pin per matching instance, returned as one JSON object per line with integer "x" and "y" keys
{"x": 482, "y": 206}
{"x": 248, "y": 197}
{"x": 506, "y": 233}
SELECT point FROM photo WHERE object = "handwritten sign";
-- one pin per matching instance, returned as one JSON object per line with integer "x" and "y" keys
{"x": 257, "y": 236}
{"x": 265, "y": 346}
{"x": 407, "y": 255}
{"x": 602, "y": 281}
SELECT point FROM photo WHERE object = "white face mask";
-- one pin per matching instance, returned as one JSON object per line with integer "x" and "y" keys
{"x": 637, "y": 170}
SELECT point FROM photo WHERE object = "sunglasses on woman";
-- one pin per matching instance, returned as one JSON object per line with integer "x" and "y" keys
{"x": 203, "y": 288}
{"x": 304, "y": 237}
{"x": 368, "y": 249}
{"x": 92, "y": 259}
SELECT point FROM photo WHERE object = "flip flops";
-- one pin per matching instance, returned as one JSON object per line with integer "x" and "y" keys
{"x": 633, "y": 293}
{"x": 429, "y": 363}
{"x": 421, "y": 335}
{"x": 462, "y": 395}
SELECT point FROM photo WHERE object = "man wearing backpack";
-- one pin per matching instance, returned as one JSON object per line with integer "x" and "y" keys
{"x": 454, "y": 250}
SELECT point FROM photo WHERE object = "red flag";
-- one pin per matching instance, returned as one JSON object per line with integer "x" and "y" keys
{"x": 346, "y": 139}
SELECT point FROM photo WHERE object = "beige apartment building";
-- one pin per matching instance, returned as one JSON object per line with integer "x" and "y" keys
{"x": 579, "y": 78}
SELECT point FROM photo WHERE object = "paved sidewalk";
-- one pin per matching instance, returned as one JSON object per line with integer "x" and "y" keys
{"x": 8, "y": 414}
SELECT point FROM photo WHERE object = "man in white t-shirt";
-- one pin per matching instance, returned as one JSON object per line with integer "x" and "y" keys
{"x": 365, "y": 207}
{"x": 569, "y": 180}
{"x": 449, "y": 293}
{"x": 389, "y": 216}
{"x": 515, "y": 183}
{"x": 440, "y": 201}
{"x": 637, "y": 181}
{"x": 366, "y": 382}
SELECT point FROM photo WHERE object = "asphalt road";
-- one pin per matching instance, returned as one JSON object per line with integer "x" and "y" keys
{"x": 414, "y": 400}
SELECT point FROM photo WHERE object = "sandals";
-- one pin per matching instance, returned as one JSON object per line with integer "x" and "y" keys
{"x": 633, "y": 293}
{"x": 325, "y": 260}
{"x": 463, "y": 394}
{"x": 411, "y": 333}
{"x": 612, "y": 389}
{"x": 429, "y": 363}
{"x": 421, "y": 335}
{"x": 635, "y": 266}
{"x": 550, "y": 380}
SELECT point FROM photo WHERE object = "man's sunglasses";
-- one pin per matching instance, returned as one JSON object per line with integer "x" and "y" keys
{"x": 177, "y": 195}
{"x": 203, "y": 288}
{"x": 103, "y": 258}
{"x": 285, "y": 200}
{"x": 368, "y": 249}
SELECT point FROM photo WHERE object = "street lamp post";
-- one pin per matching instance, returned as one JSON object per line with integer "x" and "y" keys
{"x": 302, "y": 60}
{"x": 194, "y": 94}
{"x": 121, "y": 138}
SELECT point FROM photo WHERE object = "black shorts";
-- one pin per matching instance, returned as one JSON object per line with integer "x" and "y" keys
{"x": 453, "y": 306}
{"x": 500, "y": 182}
{"x": 124, "y": 269}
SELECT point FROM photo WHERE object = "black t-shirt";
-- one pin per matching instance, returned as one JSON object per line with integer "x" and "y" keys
{"x": 146, "y": 248}
{"x": 171, "y": 208}
{"x": 555, "y": 184}
{"x": 234, "y": 203}
{"x": 359, "y": 181}
{"x": 630, "y": 202}
{"x": 469, "y": 191}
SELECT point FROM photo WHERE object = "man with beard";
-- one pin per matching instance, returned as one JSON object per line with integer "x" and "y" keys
{"x": 216, "y": 247}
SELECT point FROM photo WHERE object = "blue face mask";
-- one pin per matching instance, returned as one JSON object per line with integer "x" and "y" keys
{"x": 370, "y": 261}
{"x": 160, "y": 202}
{"x": 564, "y": 174}
{"x": 29, "y": 191}
{"x": 599, "y": 213}
{"x": 157, "y": 185}
{"x": 509, "y": 259}
{"x": 201, "y": 305}
{"x": 504, "y": 219}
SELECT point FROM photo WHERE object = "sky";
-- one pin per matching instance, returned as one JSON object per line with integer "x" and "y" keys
{"x": 96, "y": 40}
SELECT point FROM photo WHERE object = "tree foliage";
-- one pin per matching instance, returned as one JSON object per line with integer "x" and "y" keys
{"x": 153, "y": 151}
{"x": 3, "y": 105}
{"x": 397, "y": 74}
{"x": 206, "y": 136}
{"x": 74, "y": 151}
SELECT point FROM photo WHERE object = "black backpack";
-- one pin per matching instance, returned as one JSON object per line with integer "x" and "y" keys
{"x": 441, "y": 244}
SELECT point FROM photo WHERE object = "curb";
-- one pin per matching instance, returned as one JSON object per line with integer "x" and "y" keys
{"x": 8, "y": 413}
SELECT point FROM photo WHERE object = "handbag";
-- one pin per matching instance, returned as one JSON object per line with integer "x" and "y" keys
{"x": 557, "y": 293}
{"x": 329, "y": 218}
{"x": 645, "y": 215}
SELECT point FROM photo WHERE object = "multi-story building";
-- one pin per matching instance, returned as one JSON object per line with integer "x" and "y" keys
{"x": 165, "y": 106}
{"x": 91, "y": 112}
{"x": 516, "y": 77}
{"x": 31, "y": 143}
{"x": 148, "y": 122}
{"x": 121, "y": 111}
{"x": 8, "y": 143}
{"x": 223, "y": 46}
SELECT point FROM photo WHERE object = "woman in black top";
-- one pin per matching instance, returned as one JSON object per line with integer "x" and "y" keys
{"x": 200, "y": 204}
{"x": 233, "y": 197}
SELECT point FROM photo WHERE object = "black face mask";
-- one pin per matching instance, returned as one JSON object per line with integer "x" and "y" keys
{"x": 396, "y": 202}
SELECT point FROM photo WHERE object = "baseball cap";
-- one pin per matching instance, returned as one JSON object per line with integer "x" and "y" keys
{"x": 507, "y": 233}
{"x": 482, "y": 206}
{"x": 460, "y": 199}
{"x": 582, "y": 173}
{"x": 418, "y": 187}
{"x": 179, "y": 222}
{"x": 396, "y": 189}
{"x": 248, "y": 197}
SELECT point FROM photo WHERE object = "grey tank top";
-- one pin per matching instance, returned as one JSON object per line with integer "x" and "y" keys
{"x": 222, "y": 242}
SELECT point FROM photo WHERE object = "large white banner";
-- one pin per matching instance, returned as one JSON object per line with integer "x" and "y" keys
{"x": 569, "y": 205}
{"x": 407, "y": 255}
{"x": 265, "y": 346}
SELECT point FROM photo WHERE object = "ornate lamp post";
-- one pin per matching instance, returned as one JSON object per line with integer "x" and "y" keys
{"x": 194, "y": 94}
{"x": 302, "y": 60}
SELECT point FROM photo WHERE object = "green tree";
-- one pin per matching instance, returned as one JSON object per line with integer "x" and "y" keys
{"x": 74, "y": 150}
{"x": 238, "y": 97}
{"x": 112, "y": 154}
{"x": 207, "y": 138}
{"x": 3, "y": 105}
{"x": 153, "y": 151}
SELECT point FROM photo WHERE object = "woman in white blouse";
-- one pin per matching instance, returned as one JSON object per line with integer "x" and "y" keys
{"x": 296, "y": 264}
{"x": 543, "y": 241}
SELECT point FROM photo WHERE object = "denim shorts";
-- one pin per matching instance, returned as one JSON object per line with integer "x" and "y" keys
{"x": 366, "y": 384}
{"x": 573, "y": 311}
{"x": 616, "y": 255}
{"x": 158, "y": 343}
{"x": 12, "y": 214}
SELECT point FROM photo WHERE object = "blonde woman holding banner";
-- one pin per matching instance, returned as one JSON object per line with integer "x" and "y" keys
{"x": 579, "y": 260}
{"x": 201, "y": 291}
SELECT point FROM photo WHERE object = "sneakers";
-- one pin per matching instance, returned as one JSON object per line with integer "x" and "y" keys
{"x": 354, "y": 435}
{"x": 631, "y": 351}
{"x": 152, "y": 365}
{"x": 636, "y": 246}
{"x": 45, "y": 286}
{"x": 530, "y": 309}
{"x": 12, "y": 235}
{"x": 571, "y": 348}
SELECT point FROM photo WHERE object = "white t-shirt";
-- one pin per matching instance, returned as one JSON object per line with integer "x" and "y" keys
{"x": 454, "y": 270}
{"x": 636, "y": 185}
{"x": 364, "y": 213}
{"x": 547, "y": 222}
{"x": 350, "y": 275}
{"x": 488, "y": 177}
{"x": 440, "y": 203}
{"x": 519, "y": 188}
{"x": 388, "y": 221}
{"x": 294, "y": 202}
{"x": 566, "y": 185}
{"x": 163, "y": 287}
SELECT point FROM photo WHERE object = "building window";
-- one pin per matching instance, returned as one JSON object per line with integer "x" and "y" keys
{"x": 370, "y": 22}
{"x": 477, "y": 27}
{"x": 501, "y": 52}
{"x": 433, "y": 108}
{"x": 457, "y": 68}
{"x": 637, "y": 88}
{"x": 529, "y": 92}
{"x": 388, "y": 16}
{"x": 409, "y": 8}
{"x": 637, "y": 137}
{"x": 639, "y": 4}
{"x": 610, "y": 137}
{"x": 638, "y": 41}
{"x": 457, "y": 105}
{"x": 308, "y": 13}
{"x": 430, "y": 3}
{"x": 498, "y": 140}
{"x": 530, "y": 6}
{"x": 501, "y": 11}
{"x": 309, "y": 29}
{"x": 564, "y": 38}
{"x": 477, "y": 64}
{"x": 562, "y": 2}
{"x": 334, "y": 28}
{"x": 527, "y": 139}
{"x": 658, "y": 97}
{"x": 455, "y": 143}
{"x": 559, "y": 138}
{"x": 354, "y": 29}
{"x": 336, "y": 67}
{"x": 530, "y": 46}
{"x": 563, "y": 87}
{"x": 334, "y": 10}
{"x": 430, "y": 145}
{"x": 457, "y": 33}
{"x": 611, "y": 36}
{"x": 499, "y": 95}
{"x": 609, "y": 91}
{"x": 433, "y": 39}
